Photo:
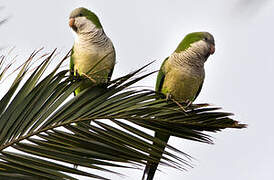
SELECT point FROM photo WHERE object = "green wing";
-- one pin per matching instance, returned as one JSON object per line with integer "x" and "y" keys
{"x": 71, "y": 65}
{"x": 160, "y": 77}
{"x": 71, "y": 68}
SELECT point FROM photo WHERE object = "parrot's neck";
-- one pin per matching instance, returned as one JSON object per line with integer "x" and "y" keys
{"x": 194, "y": 56}
{"x": 91, "y": 39}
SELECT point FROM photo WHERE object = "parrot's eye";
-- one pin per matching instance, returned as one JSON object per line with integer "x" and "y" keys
{"x": 80, "y": 14}
{"x": 206, "y": 39}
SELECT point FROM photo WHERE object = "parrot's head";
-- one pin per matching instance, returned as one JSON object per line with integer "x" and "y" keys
{"x": 200, "y": 42}
{"x": 82, "y": 20}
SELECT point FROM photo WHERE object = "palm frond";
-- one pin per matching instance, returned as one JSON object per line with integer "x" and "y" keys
{"x": 39, "y": 137}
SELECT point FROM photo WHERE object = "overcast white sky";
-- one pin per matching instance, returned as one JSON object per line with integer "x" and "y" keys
{"x": 239, "y": 76}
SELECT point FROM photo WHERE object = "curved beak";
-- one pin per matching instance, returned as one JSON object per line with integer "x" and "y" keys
{"x": 212, "y": 49}
{"x": 71, "y": 22}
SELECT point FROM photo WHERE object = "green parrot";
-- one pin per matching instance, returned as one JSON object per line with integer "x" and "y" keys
{"x": 93, "y": 54}
{"x": 181, "y": 77}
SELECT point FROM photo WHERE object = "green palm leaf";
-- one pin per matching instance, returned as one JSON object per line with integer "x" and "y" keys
{"x": 39, "y": 137}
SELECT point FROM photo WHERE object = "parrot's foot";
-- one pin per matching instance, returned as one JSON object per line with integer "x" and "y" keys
{"x": 181, "y": 107}
{"x": 86, "y": 76}
{"x": 184, "y": 110}
{"x": 188, "y": 103}
{"x": 169, "y": 97}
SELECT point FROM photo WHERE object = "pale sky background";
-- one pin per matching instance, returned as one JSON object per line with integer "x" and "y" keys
{"x": 239, "y": 76}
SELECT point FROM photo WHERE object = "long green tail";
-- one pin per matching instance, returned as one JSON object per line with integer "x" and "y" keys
{"x": 151, "y": 167}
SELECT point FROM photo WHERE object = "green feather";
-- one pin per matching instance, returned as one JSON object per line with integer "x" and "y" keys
{"x": 71, "y": 68}
{"x": 71, "y": 65}
{"x": 188, "y": 40}
{"x": 91, "y": 16}
{"x": 160, "y": 77}
{"x": 88, "y": 14}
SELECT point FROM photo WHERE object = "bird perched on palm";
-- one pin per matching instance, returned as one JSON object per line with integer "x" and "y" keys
{"x": 93, "y": 54}
{"x": 181, "y": 77}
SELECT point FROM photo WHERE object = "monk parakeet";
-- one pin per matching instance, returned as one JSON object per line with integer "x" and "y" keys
{"x": 181, "y": 77}
{"x": 93, "y": 54}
